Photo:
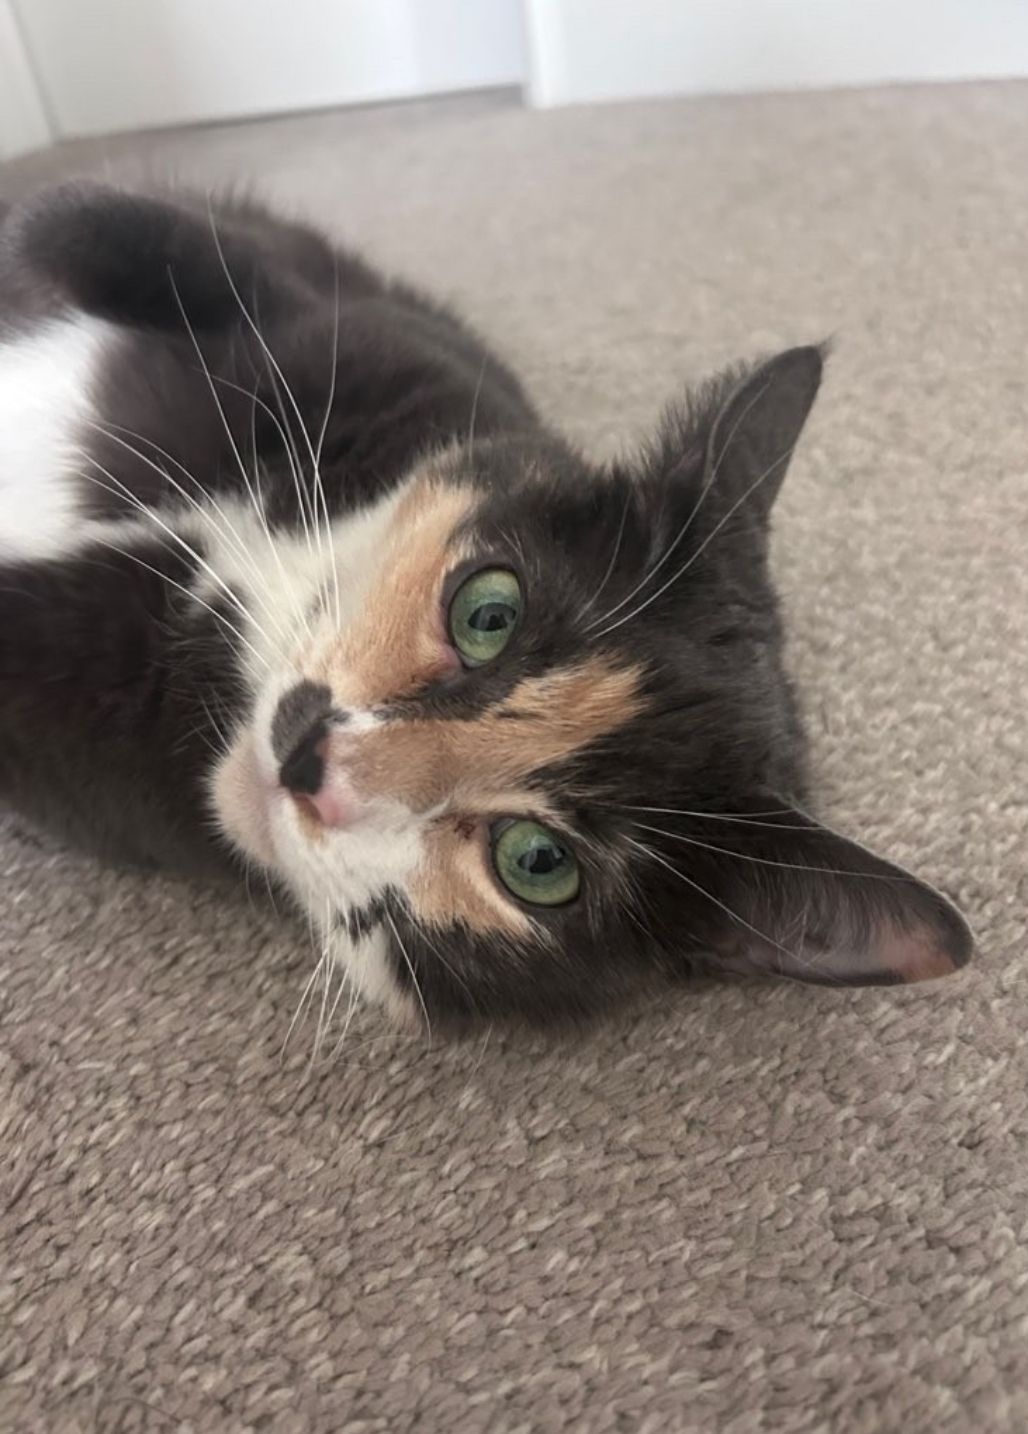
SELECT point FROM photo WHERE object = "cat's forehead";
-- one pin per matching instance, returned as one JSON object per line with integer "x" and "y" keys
{"x": 534, "y": 707}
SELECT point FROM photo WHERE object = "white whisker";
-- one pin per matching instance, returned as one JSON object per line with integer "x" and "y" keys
{"x": 120, "y": 490}
{"x": 474, "y": 404}
{"x": 219, "y": 617}
{"x": 205, "y": 368}
{"x": 288, "y": 447}
{"x": 655, "y": 856}
{"x": 447, "y": 965}
{"x": 324, "y": 430}
{"x": 705, "y": 489}
{"x": 706, "y": 542}
{"x": 301, "y": 1006}
{"x": 613, "y": 557}
{"x": 226, "y": 530}
{"x": 214, "y": 394}
{"x": 351, "y": 1007}
{"x": 328, "y": 966}
{"x": 761, "y": 860}
{"x": 747, "y": 820}
{"x": 414, "y": 979}
{"x": 279, "y": 376}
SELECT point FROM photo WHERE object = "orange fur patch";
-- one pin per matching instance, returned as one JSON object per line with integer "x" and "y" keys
{"x": 454, "y": 884}
{"x": 396, "y": 644}
{"x": 425, "y": 762}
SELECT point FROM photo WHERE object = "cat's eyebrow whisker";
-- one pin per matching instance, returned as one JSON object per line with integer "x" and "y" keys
{"x": 258, "y": 402}
{"x": 410, "y": 968}
{"x": 764, "y": 861}
{"x": 120, "y": 489}
{"x": 298, "y": 606}
{"x": 705, "y": 489}
{"x": 205, "y": 368}
{"x": 288, "y": 446}
{"x": 782, "y": 458}
{"x": 270, "y": 363}
{"x": 655, "y": 856}
{"x": 324, "y": 429}
{"x": 613, "y": 557}
{"x": 219, "y": 407}
{"x": 747, "y": 820}
{"x": 319, "y": 487}
{"x": 474, "y": 405}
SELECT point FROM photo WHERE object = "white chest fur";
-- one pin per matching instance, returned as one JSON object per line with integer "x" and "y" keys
{"x": 46, "y": 381}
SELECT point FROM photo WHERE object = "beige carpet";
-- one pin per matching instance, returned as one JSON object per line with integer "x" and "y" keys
{"x": 752, "y": 1209}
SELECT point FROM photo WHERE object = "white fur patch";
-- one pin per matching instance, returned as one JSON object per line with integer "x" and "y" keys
{"x": 283, "y": 576}
{"x": 46, "y": 379}
{"x": 296, "y": 590}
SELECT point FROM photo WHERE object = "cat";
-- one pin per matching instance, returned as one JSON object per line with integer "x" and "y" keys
{"x": 294, "y": 577}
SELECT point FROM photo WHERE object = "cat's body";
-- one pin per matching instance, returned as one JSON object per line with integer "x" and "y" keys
{"x": 291, "y": 573}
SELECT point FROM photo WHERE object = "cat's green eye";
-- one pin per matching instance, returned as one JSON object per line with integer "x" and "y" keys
{"x": 535, "y": 864}
{"x": 483, "y": 615}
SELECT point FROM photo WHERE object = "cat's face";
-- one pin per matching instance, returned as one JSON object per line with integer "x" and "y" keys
{"x": 521, "y": 738}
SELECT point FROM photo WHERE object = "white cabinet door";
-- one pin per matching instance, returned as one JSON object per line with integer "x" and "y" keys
{"x": 585, "y": 50}
{"x": 125, "y": 64}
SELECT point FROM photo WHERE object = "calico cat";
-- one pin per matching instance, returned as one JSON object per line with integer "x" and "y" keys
{"x": 293, "y": 576}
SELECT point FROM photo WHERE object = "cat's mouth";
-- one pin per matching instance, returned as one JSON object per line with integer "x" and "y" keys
{"x": 306, "y": 821}
{"x": 264, "y": 811}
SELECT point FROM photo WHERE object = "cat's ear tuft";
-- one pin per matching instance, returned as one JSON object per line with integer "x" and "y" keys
{"x": 797, "y": 900}
{"x": 758, "y": 426}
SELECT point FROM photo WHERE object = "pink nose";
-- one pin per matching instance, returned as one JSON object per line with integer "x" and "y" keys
{"x": 314, "y": 786}
{"x": 333, "y": 803}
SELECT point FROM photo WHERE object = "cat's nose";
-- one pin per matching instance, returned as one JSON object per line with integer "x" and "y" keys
{"x": 299, "y": 711}
{"x": 317, "y": 789}
{"x": 303, "y": 771}
{"x": 300, "y": 741}
{"x": 316, "y": 786}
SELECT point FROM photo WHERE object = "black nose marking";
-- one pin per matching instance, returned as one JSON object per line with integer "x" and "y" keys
{"x": 303, "y": 771}
{"x": 298, "y": 711}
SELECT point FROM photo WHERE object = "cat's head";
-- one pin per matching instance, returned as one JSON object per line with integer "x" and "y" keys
{"x": 532, "y": 744}
{"x": 517, "y": 734}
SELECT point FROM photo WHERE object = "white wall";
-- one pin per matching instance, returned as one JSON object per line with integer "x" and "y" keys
{"x": 583, "y": 50}
{"x": 124, "y": 64}
{"x": 23, "y": 120}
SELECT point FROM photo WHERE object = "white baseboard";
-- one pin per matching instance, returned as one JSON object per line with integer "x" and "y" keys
{"x": 586, "y": 50}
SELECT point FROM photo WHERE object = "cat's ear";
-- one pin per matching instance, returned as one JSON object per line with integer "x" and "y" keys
{"x": 794, "y": 899}
{"x": 137, "y": 260}
{"x": 757, "y": 427}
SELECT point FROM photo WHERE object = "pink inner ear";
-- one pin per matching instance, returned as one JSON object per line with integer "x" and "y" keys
{"x": 914, "y": 956}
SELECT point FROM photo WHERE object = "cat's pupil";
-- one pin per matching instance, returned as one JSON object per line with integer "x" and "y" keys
{"x": 541, "y": 860}
{"x": 491, "y": 617}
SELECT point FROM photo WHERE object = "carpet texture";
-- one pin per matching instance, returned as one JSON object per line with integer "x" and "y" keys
{"x": 773, "y": 1209}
